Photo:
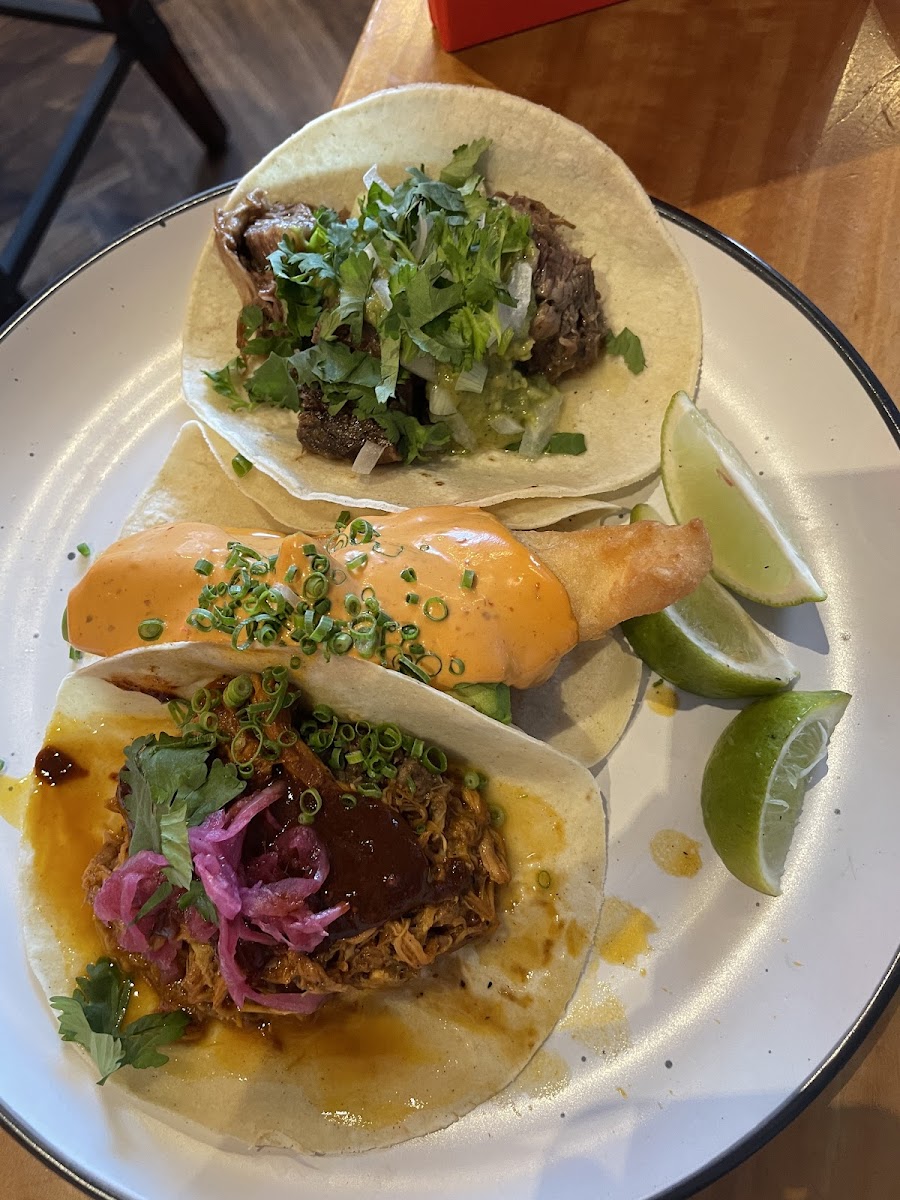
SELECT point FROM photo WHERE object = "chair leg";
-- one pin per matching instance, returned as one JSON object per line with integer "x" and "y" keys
{"x": 137, "y": 25}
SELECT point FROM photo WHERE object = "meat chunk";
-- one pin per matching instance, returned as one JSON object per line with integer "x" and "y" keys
{"x": 569, "y": 328}
{"x": 339, "y": 436}
{"x": 245, "y": 237}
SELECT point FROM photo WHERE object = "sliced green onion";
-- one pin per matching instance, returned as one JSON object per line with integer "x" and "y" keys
{"x": 408, "y": 575}
{"x": 241, "y": 465}
{"x": 409, "y": 632}
{"x": 291, "y": 573}
{"x": 389, "y": 737}
{"x": 434, "y": 760}
{"x": 315, "y": 586}
{"x": 412, "y": 597}
{"x": 322, "y": 713}
{"x": 358, "y": 560}
{"x": 468, "y": 579}
{"x": 497, "y": 815}
{"x": 348, "y": 800}
{"x": 472, "y": 779}
{"x": 457, "y": 666}
{"x": 203, "y": 566}
{"x": 151, "y": 629}
{"x": 417, "y": 749}
{"x": 74, "y": 654}
{"x": 341, "y": 642}
{"x": 354, "y": 757}
{"x": 310, "y": 801}
{"x": 544, "y": 879}
{"x": 309, "y": 549}
{"x": 83, "y": 549}
{"x": 343, "y": 518}
{"x": 435, "y": 609}
{"x": 371, "y": 791}
{"x": 361, "y": 530}
{"x": 64, "y": 624}
{"x": 352, "y": 604}
{"x": 238, "y": 691}
{"x": 295, "y": 663}
{"x": 179, "y": 711}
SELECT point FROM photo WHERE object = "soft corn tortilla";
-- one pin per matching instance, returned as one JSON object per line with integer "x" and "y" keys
{"x": 583, "y": 709}
{"x": 643, "y": 280}
{"x": 385, "y": 1066}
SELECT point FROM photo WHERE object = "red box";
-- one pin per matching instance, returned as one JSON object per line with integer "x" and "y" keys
{"x": 462, "y": 23}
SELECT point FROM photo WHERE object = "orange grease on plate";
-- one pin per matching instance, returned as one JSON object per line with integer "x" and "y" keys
{"x": 662, "y": 699}
{"x": 676, "y": 853}
{"x": 623, "y": 933}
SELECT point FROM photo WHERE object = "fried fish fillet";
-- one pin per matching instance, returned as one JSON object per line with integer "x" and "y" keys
{"x": 620, "y": 571}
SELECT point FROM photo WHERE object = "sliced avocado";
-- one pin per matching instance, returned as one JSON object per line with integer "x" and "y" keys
{"x": 492, "y": 699}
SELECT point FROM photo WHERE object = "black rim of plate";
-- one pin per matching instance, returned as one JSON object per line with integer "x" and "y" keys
{"x": 853, "y": 1039}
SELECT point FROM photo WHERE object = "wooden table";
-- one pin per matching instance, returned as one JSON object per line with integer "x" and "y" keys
{"x": 776, "y": 121}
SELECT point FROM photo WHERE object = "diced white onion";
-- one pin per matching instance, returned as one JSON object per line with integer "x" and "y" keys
{"x": 382, "y": 290}
{"x": 424, "y": 366}
{"x": 370, "y": 253}
{"x": 367, "y": 459}
{"x": 371, "y": 176}
{"x": 503, "y": 424}
{"x": 288, "y": 593}
{"x": 541, "y": 426}
{"x": 440, "y": 400}
{"x": 473, "y": 379}
{"x": 460, "y": 432}
{"x": 519, "y": 287}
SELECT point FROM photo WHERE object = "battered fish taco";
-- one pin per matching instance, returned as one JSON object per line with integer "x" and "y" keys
{"x": 493, "y": 310}
{"x": 308, "y": 905}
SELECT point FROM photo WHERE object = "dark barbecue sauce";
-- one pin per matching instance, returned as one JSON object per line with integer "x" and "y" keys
{"x": 54, "y": 766}
{"x": 376, "y": 864}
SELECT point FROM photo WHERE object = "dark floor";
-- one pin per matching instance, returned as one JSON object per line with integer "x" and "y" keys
{"x": 268, "y": 65}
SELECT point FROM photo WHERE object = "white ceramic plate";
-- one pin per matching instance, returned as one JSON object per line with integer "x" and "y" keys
{"x": 745, "y": 1005}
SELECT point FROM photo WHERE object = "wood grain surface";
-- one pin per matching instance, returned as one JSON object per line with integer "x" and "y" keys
{"x": 776, "y": 121}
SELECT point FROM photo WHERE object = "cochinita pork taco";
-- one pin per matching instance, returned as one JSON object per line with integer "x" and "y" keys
{"x": 441, "y": 294}
{"x": 303, "y": 904}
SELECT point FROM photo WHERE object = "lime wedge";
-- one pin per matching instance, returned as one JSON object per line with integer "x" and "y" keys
{"x": 704, "y": 476}
{"x": 706, "y": 643}
{"x": 756, "y": 779}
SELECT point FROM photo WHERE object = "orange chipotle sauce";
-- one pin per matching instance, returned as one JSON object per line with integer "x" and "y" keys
{"x": 512, "y": 626}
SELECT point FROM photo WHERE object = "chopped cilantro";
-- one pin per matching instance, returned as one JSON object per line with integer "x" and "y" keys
{"x": 566, "y": 443}
{"x": 92, "y": 1016}
{"x": 225, "y": 380}
{"x": 272, "y": 383}
{"x": 627, "y": 345}
{"x": 170, "y": 789}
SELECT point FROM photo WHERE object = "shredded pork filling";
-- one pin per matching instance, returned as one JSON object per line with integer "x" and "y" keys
{"x": 432, "y": 823}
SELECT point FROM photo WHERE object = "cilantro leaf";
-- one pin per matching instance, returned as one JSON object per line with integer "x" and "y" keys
{"x": 162, "y": 893}
{"x": 464, "y": 162}
{"x": 272, "y": 383}
{"x": 251, "y": 317}
{"x": 566, "y": 443}
{"x": 224, "y": 381}
{"x": 627, "y": 345}
{"x": 92, "y": 1017}
{"x": 196, "y": 897}
{"x": 171, "y": 789}
{"x": 141, "y": 1038}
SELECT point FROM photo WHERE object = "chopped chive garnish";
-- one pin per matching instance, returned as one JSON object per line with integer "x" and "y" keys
{"x": 291, "y": 573}
{"x": 412, "y": 597}
{"x": 435, "y": 609}
{"x": 83, "y": 549}
{"x": 343, "y": 518}
{"x": 74, "y": 654}
{"x": 408, "y": 575}
{"x": 309, "y": 549}
{"x": 468, "y": 579}
{"x": 203, "y": 566}
{"x": 457, "y": 666}
{"x": 358, "y": 560}
{"x": 544, "y": 879}
{"x": 241, "y": 465}
{"x": 151, "y": 629}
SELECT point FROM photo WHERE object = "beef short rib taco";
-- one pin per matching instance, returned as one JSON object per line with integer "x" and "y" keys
{"x": 441, "y": 294}
{"x": 340, "y": 909}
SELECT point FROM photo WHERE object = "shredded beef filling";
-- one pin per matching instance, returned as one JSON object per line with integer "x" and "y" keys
{"x": 416, "y": 869}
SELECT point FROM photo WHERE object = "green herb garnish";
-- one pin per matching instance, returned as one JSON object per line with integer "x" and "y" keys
{"x": 92, "y": 1016}
{"x": 627, "y": 345}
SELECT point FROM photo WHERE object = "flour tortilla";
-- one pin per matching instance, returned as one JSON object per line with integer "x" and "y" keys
{"x": 643, "y": 280}
{"x": 452, "y": 1047}
{"x": 583, "y": 709}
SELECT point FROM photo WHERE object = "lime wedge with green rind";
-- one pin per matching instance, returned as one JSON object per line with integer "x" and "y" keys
{"x": 705, "y": 476}
{"x": 706, "y": 643}
{"x": 756, "y": 780}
